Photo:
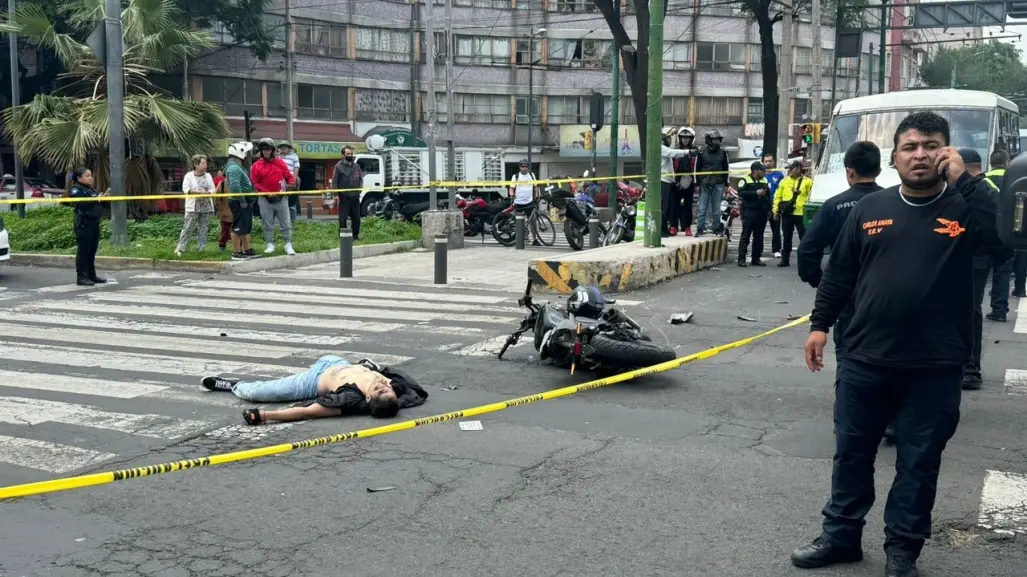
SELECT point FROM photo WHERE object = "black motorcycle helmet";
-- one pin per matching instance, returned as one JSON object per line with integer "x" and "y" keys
{"x": 586, "y": 301}
{"x": 714, "y": 138}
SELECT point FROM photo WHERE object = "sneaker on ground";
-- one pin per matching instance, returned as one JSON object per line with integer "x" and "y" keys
{"x": 218, "y": 383}
{"x": 270, "y": 248}
{"x": 289, "y": 249}
{"x": 239, "y": 256}
{"x": 777, "y": 255}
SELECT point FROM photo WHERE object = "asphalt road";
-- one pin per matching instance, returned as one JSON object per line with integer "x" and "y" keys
{"x": 719, "y": 468}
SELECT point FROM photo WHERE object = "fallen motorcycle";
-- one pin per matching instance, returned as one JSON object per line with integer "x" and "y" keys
{"x": 590, "y": 334}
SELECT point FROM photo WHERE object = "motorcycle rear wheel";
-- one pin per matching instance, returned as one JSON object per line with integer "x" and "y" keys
{"x": 575, "y": 235}
{"x": 629, "y": 355}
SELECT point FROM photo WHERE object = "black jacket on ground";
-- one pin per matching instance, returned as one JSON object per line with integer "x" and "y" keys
{"x": 824, "y": 230}
{"x": 351, "y": 401}
{"x": 907, "y": 265}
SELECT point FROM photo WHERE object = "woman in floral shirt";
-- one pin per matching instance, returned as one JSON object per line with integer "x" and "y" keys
{"x": 197, "y": 210}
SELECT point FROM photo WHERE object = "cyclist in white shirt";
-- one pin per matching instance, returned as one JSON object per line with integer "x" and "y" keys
{"x": 524, "y": 195}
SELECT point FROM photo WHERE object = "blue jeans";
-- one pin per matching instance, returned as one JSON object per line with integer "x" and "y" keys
{"x": 299, "y": 387}
{"x": 709, "y": 200}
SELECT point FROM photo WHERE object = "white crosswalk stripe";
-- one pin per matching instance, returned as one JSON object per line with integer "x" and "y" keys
{"x": 88, "y": 375}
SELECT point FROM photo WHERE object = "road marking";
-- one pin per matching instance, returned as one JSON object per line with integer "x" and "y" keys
{"x": 385, "y": 295}
{"x": 1016, "y": 381}
{"x": 1004, "y": 502}
{"x": 65, "y": 288}
{"x": 228, "y": 302}
{"x": 209, "y": 315}
{"x": 50, "y": 457}
{"x": 22, "y": 411}
{"x": 116, "y": 389}
{"x": 487, "y": 348}
{"x": 1021, "y": 318}
{"x": 264, "y": 296}
{"x": 77, "y": 321}
{"x": 148, "y": 342}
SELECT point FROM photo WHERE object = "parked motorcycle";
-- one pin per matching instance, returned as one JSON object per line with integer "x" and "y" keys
{"x": 612, "y": 341}
{"x": 394, "y": 206}
{"x": 730, "y": 209}
{"x": 478, "y": 214}
{"x": 579, "y": 210}
{"x": 623, "y": 228}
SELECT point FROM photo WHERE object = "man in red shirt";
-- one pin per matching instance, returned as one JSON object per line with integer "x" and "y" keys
{"x": 270, "y": 174}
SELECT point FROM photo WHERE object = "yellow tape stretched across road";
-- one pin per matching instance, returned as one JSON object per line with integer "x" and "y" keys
{"x": 439, "y": 184}
{"x": 81, "y": 481}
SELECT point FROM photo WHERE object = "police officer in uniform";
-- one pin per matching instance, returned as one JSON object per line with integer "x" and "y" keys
{"x": 1001, "y": 271}
{"x": 754, "y": 190}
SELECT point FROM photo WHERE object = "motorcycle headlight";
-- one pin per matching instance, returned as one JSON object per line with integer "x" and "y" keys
{"x": 631, "y": 211}
{"x": 723, "y": 205}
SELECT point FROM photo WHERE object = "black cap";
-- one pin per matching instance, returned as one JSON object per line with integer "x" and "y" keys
{"x": 758, "y": 165}
{"x": 969, "y": 156}
{"x": 794, "y": 164}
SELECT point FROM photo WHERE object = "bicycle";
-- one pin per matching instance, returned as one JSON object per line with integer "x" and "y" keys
{"x": 504, "y": 225}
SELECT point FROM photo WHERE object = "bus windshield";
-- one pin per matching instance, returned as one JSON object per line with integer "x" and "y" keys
{"x": 968, "y": 128}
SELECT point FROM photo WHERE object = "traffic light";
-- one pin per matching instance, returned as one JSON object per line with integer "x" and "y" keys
{"x": 817, "y": 127}
{"x": 807, "y": 133}
{"x": 588, "y": 140}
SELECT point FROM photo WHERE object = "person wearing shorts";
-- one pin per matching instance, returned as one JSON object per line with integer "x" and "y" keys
{"x": 237, "y": 180}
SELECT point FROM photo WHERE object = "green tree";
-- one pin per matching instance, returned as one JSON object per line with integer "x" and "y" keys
{"x": 69, "y": 127}
{"x": 994, "y": 67}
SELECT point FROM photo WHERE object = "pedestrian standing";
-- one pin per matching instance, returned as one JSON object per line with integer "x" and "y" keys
{"x": 755, "y": 195}
{"x": 197, "y": 210}
{"x": 288, "y": 155}
{"x": 711, "y": 168}
{"x": 526, "y": 195}
{"x": 684, "y": 192}
{"x": 270, "y": 174}
{"x": 87, "y": 225}
{"x": 348, "y": 180}
{"x": 774, "y": 177}
{"x": 223, "y": 210}
{"x": 901, "y": 261}
{"x": 1001, "y": 271}
{"x": 237, "y": 182}
{"x": 668, "y": 182}
{"x": 789, "y": 202}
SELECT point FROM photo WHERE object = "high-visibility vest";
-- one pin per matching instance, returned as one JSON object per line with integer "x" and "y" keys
{"x": 991, "y": 174}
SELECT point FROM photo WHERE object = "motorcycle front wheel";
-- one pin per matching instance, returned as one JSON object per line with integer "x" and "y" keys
{"x": 575, "y": 235}
{"x": 503, "y": 228}
{"x": 615, "y": 235}
{"x": 628, "y": 355}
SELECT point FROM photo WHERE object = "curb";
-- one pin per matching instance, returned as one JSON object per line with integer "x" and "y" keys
{"x": 220, "y": 267}
{"x": 628, "y": 266}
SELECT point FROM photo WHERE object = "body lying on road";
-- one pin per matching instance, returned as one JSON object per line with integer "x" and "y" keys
{"x": 333, "y": 386}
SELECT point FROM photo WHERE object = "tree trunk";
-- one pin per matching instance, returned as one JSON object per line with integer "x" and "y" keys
{"x": 771, "y": 102}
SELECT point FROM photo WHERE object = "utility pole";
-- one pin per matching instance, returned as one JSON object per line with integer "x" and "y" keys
{"x": 614, "y": 111}
{"x": 116, "y": 119}
{"x": 290, "y": 109}
{"x": 653, "y": 127}
{"x": 881, "y": 88}
{"x": 816, "y": 55}
{"x": 19, "y": 179}
{"x": 870, "y": 71}
{"x": 531, "y": 91}
{"x": 784, "y": 103}
{"x": 429, "y": 58}
{"x": 450, "y": 113}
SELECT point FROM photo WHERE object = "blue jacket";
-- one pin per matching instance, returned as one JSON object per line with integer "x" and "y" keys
{"x": 774, "y": 177}
{"x": 824, "y": 230}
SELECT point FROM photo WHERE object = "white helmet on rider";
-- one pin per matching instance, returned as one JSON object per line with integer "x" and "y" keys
{"x": 686, "y": 132}
{"x": 667, "y": 134}
{"x": 240, "y": 149}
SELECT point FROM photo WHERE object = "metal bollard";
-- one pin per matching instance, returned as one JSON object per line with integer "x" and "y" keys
{"x": 441, "y": 246}
{"x": 593, "y": 232}
{"x": 310, "y": 210}
{"x": 519, "y": 231}
{"x": 345, "y": 253}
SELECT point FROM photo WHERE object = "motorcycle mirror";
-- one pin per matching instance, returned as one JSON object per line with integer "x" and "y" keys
{"x": 585, "y": 175}
{"x": 1011, "y": 217}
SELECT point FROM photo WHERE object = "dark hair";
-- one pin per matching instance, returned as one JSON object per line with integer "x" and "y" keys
{"x": 766, "y": 154}
{"x": 72, "y": 179}
{"x": 383, "y": 407}
{"x": 999, "y": 158}
{"x": 345, "y": 148}
{"x": 865, "y": 158}
{"x": 924, "y": 122}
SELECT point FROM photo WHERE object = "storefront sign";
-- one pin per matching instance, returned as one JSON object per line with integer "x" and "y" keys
{"x": 750, "y": 148}
{"x": 576, "y": 141}
{"x": 754, "y": 130}
{"x": 324, "y": 150}
{"x": 396, "y": 137}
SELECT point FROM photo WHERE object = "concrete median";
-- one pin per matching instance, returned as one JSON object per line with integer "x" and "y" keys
{"x": 627, "y": 266}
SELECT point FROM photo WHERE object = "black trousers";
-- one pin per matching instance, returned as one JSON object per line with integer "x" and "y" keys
{"x": 667, "y": 205}
{"x": 925, "y": 405}
{"x": 87, "y": 240}
{"x": 1000, "y": 286}
{"x": 790, "y": 223}
{"x": 683, "y": 204}
{"x": 973, "y": 365}
{"x": 775, "y": 234}
{"x": 754, "y": 224}
{"x": 1019, "y": 270}
{"x": 349, "y": 206}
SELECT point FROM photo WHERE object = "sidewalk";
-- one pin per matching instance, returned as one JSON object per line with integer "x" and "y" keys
{"x": 474, "y": 266}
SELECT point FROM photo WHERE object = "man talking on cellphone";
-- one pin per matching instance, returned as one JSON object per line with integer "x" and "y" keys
{"x": 904, "y": 256}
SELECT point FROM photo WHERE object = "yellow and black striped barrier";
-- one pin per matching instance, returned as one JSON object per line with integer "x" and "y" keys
{"x": 81, "y": 481}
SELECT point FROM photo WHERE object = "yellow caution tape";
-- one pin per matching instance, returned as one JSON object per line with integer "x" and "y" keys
{"x": 438, "y": 184}
{"x": 81, "y": 481}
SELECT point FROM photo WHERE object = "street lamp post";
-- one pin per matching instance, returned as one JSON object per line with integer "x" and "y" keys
{"x": 531, "y": 86}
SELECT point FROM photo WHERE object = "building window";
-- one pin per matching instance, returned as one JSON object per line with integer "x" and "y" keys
{"x": 374, "y": 104}
{"x": 572, "y": 6}
{"x": 320, "y": 38}
{"x": 802, "y": 110}
{"x": 675, "y": 110}
{"x": 502, "y": 4}
{"x": 677, "y": 55}
{"x": 717, "y": 8}
{"x": 580, "y": 53}
{"x": 522, "y": 51}
{"x": 802, "y": 60}
{"x": 826, "y": 62}
{"x": 719, "y": 111}
{"x": 564, "y": 110}
{"x": 492, "y": 167}
{"x": 482, "y": 50}
{"x": 234, "y": 95}
{"x": 826, "y": 107}
{"x": 471, "y": 108}
{"x": 756, "y": 57}
{"x": 383, "y": 44}
{"x": 754, "y": 112}
{"x": 522, "y": 109}
{"x": 720, "y": 56}
{"x": 321, "y": 102}
{"x": 440, "y": 47}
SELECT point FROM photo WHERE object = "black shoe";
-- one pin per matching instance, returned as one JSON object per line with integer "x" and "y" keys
{"x": 821, "y": 553}
{"x": 758, "y": 263}
{"x": 218, "y": 383}
{"x": 971, "y": 382}
{"x": 84, "y": 282}
{"x": 239, "y": 256}
{"x": 1020, "y": 293}
{"x": 742, "y": 264}
{"x": 250, "y": 252}
{"x": 783, "y": 263}
{"x": 997, "y": 317}
{"x": 900, "y": 567}
{"x": 889, "y": 436}
{"x": 98, "y": 279}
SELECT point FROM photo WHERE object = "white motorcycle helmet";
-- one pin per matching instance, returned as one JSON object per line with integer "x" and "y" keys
{"x": 240, "y": 149}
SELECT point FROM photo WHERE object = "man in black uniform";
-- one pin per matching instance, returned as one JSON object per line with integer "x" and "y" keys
{"x": 1002, "y": 270}
{"x": 755, "y": 194}
{"x": 902, "y": 257}
{"x": 862, "y": 167}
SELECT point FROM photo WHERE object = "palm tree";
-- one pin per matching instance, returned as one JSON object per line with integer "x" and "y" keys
{"x": 69, "y": 127}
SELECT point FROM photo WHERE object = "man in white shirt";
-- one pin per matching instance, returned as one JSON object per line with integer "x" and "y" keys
{"x": 526, "y": 194}
{"x": 292, "y": 160}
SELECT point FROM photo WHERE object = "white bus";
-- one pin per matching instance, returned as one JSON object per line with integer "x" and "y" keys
{"x": 979, "y": 120}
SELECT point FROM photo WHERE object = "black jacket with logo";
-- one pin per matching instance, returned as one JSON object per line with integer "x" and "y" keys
{"x": 907, "y": 265}
{"x": 749, "y": 194}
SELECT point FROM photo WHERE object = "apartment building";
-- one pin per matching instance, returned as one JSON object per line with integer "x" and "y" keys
{"x": 360, "y": 65}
